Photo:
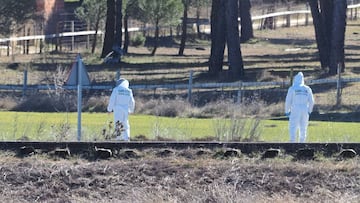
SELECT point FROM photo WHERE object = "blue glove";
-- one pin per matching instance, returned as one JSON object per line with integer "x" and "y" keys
{"x": 287, "y": 114}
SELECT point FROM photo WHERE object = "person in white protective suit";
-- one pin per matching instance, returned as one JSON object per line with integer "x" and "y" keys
{"x": 122, "y": 103}
{"x": 299, "y": 104}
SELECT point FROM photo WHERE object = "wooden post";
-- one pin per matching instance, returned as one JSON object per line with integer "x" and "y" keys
{"x": 307, "y": 15}
{"x": 40, "y": 46}
{"x": 356, "y": 12}
{"x": 88, "y": 36}
{"x": 190, "y": 86}
{"x": 291, "y": 76}
{"x": 79, "y": 94}
{"x": 117, "y": 77}
{"x": 288, "y": 18}
{"x": 25, "y": 82}
{"x": 338, "y": 86}
{"x": 28, "y": 41}
{"x": 24, "y": 41}
{"x": 8, "y": 48}
{"x": 72, "y": 37}
{"x": 239, "y": 94}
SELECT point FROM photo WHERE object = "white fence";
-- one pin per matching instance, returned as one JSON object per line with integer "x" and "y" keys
{"x": 278, "y": 19}
{"x": 239, "y": 87}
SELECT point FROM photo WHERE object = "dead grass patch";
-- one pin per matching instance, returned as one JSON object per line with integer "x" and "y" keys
{"x": 177, "y": 178}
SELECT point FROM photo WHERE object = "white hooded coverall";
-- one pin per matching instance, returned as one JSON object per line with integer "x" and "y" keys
{"x": 122, "y": 103}
{"x": 299, "y": 105}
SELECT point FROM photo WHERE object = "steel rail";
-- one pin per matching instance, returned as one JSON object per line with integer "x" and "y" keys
{"x": 244, "y": 147}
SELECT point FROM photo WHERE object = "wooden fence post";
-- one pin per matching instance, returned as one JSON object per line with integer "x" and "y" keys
{"x": 307, "y": 15}
{"x": 72, "y": 37}
{"x": 190, "y": 85}
{"x": 41, "y": 46}
{"x": 338, "y": 86}
{"x": 25, "y": 82}
{"x": 239, "y": 94}
{"x": 8, "y": 48}
{"x": 117, "y": 77}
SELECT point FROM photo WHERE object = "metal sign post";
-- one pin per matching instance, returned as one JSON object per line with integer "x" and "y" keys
{"x": 79, "y": 95}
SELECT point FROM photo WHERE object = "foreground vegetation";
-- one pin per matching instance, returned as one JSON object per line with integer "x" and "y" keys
{"x": 181, "y": 176}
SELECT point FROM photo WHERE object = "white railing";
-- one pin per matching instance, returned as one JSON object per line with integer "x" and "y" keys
{"x": 135, "y": 29}
{"x": 235, "y": 86}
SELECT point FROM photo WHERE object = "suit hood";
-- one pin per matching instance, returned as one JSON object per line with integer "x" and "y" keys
{"x": 299, "y": 79}
{"x": 122, "y": 83}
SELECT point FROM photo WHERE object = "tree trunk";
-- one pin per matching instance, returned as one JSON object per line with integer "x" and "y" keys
{"x": 127, "y": 36}
{"x": 184, "y": 28}
{"x": 329, "y": 18}
{"x": 118, "y": 24}
{"x": 198, "y": 20}
{"x": 321, "y": 37}
{"x": 95, "y": 36}
{"x": 326, "y": 9}
{"x": 233, "y": 41}
{"x": 156, "y": 39}
{"x": 109, "y": 28}
{"x": 337, "y": 55}
{"x": 217, "y": 36}
{"x": 245, "y": 20}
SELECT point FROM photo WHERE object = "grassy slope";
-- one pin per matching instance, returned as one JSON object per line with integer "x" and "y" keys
{"x": 29, "y": 124}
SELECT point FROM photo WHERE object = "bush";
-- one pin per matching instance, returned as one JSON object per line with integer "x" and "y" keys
{"x": 163, "y": 107}
{"x": 138, "y": 40}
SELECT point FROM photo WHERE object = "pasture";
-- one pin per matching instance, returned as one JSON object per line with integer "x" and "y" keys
{"x": 63, "y": 127}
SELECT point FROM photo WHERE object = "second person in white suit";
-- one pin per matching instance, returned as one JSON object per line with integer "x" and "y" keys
{"x": 122, "y": 103}
{"x": 299, "y": 104}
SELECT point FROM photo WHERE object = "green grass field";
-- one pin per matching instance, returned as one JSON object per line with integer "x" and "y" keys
{"x": 63, "y": 126}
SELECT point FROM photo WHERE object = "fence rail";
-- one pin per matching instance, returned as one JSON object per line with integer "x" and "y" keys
{"x": 135, "y": 29}
{"x": 257, "y": 85}
{"x": 238, "y": 86}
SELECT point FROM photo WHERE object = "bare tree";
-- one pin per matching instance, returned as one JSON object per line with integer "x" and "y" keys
{"x": 159, "y": 12}
{"x": 186, "y": 4}
{"x": 93, "y": 12}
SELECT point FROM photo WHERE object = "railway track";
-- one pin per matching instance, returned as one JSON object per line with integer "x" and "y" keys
{"x": 107, "y": 149}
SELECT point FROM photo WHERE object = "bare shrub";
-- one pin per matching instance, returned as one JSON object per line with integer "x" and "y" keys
{"x": 218, "y": 109}
{"x": 15, "y": 125}
{"x": 222, "y": 108}
{"x": 251, "y": 107}
{"x": 40, "y": 129}
{"x": 95, "y": 104}
{"x": 60, "y": 97}
{"x": 112, "y": 131}
{"x": 237, "y": 129}
{"x": 62, "y": 131}
{"x": 163, "y": 107}
{"x": 8, "y": 102}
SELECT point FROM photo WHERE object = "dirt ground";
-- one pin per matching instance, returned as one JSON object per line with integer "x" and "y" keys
{"x": 178, "y": 176}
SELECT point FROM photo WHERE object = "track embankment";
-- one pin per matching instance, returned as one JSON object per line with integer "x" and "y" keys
{"x": 107, "y": 149}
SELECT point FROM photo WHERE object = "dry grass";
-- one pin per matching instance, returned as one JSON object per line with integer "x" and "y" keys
{"x": 179, "y": 176}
